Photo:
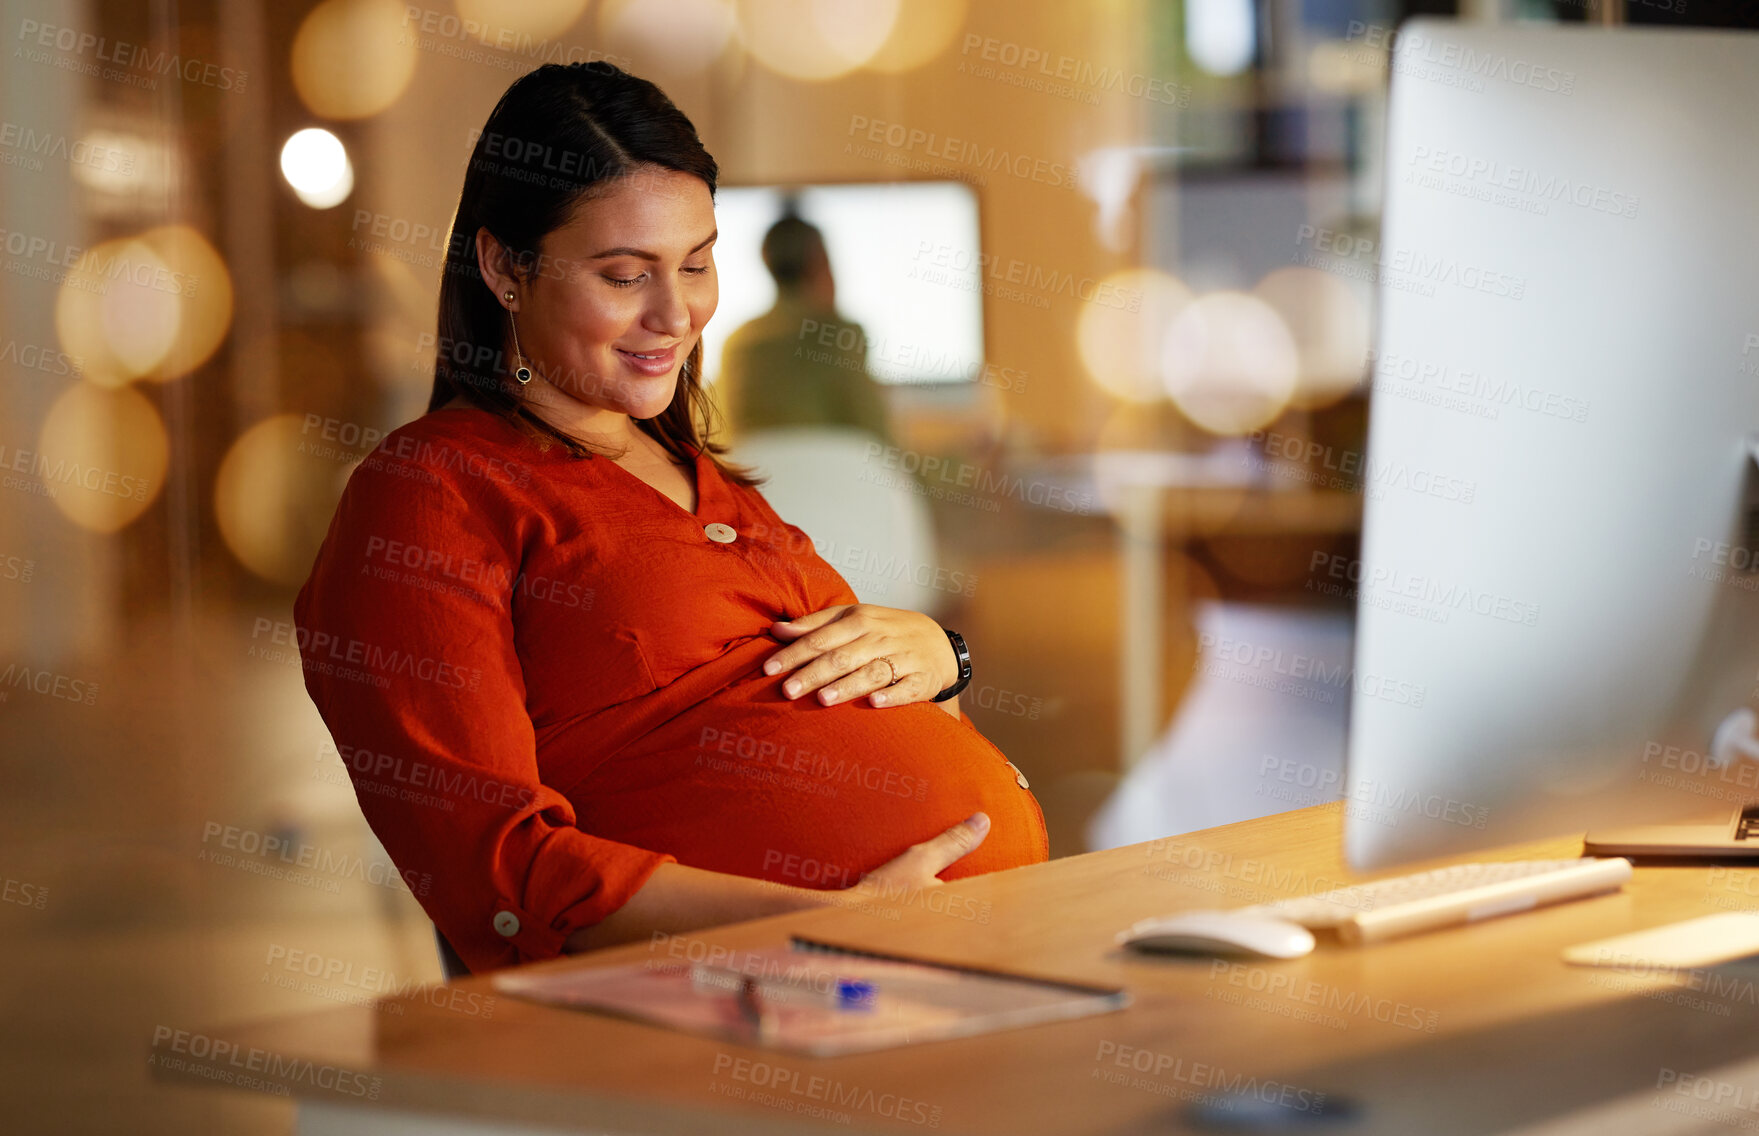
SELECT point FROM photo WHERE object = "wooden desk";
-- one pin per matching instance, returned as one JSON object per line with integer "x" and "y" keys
{"x": 1475, "y": 1029}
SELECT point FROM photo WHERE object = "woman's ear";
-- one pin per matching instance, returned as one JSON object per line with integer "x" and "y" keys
{"x": 496, "y": 267}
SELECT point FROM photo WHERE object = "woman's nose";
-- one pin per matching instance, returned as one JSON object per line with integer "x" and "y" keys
{"x": 668, "y": 314}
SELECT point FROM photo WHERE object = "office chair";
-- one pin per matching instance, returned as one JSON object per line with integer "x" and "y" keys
{"x": 450, "y": 964}
{"x": 872, "y": 523}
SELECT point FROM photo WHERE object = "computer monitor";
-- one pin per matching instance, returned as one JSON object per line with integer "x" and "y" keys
{"x": 1559, "y": 596}
{"x": 906, "y": 261}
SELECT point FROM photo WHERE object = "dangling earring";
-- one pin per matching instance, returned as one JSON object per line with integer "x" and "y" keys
{"x": 522, "y": 373}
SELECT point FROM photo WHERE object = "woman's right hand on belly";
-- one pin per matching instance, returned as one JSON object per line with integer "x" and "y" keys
{"x": 921, "y": 864}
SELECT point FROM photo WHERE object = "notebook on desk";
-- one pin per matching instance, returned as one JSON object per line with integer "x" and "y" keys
{"x": 816, "y": 998}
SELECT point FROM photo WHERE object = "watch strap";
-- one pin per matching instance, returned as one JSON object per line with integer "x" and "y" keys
{"x": 964, "y": 655}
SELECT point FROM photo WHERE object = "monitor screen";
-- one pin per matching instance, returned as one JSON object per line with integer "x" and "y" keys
{"x": 1557, "y": 611}
{"x": 905, "y": 259}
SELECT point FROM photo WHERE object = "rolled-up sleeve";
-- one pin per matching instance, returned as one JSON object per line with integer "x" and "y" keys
{"x": 406, "y": 637}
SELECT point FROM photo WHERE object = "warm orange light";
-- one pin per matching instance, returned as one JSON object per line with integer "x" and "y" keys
{"x": 1328, "y": 318}
{"x": 922, "y": 30}
{"x": 118, "y": 311}
{"x": 518, "y": 23}
{"x": 276, "y": 489}
{"x": 680, "y": 35}
{"x": 1119, "y": 331}
{"x": 1229, "y": 363}
{"x": 204, "y": 294}
{"x": 103, "y": 454}
{"x": 815, "y": 39}
{"x": 353, "y": 58}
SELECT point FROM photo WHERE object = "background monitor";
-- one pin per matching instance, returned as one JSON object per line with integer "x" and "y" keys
{"x": 1558, "y": 597}
{"x": 905, "y": 256}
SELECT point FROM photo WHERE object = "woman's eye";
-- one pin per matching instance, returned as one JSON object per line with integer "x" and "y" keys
{"x": 618, "y": 282}
{"x": 697, "y": 271}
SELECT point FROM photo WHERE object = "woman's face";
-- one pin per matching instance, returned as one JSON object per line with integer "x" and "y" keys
{"x": 621, "y": 292}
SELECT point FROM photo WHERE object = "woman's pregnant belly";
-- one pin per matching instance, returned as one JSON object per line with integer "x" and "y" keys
{"x": 747, "y": 782}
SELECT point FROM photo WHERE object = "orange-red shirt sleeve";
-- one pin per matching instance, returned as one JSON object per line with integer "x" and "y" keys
{"x": 422, "y": 690}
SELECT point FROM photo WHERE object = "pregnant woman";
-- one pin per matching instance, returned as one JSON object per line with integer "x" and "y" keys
{"x": 588, "y": 684}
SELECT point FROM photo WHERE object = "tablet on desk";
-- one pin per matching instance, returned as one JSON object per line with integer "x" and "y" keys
{"x": 816, "y": 998}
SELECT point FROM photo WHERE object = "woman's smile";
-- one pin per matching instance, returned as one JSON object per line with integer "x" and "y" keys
{"x": 655, "y": 363}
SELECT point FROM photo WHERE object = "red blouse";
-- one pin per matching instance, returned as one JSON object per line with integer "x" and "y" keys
{"x": 545, "y": 678}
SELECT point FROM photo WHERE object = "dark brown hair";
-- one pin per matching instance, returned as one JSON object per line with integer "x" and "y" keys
{"x": 560, "y": 136}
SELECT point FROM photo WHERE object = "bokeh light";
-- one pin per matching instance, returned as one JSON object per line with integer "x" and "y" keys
{"x": 205, "y": 298}
{"x": 353, "y": 58}
{"x": 815, "y": 39}
{"x": 276, "y": 489}
{"x": 316, "y": 165}
{"x": 856, "y": 29}
{"x": 1327, "y": 316}
{"x": 1229, "y": 363}
{"x": 682, "y": 35}
{"x": 516, "y": 23}
{"x": 1119, "y": 332}
{"x": 118, "y": 311}
{"x": 922, "y": 30}
{"x": 120, "y": 162}
{"x": 104, "y": 453}
{"x": 155, "y": 306}
{"x": 1221, "y": 35}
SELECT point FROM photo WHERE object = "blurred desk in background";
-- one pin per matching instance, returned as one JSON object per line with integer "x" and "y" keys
{"x": 1160, "y": 497}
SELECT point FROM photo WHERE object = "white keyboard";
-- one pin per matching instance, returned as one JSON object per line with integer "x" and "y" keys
{"x": 1464, "y": 893}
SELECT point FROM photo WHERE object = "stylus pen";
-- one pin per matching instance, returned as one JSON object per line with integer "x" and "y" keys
{"x": 757, "y": 1013}
{"x": 842, "y": 993}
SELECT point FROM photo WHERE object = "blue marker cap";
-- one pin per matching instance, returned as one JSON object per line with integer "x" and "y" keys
{"x": 854, "y": 992}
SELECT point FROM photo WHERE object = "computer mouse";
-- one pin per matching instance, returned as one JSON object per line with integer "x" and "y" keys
{"x": 1209, "y": 932}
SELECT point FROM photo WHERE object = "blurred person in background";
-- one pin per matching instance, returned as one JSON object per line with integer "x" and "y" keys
{"x": 580, "y": 671}
{"x": 801, "y": 363}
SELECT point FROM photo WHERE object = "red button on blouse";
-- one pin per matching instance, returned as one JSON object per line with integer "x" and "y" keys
{"x": 545, "y": 678}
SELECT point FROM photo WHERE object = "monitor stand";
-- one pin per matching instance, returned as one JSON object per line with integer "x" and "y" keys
{"x": 1737, "y": 835}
